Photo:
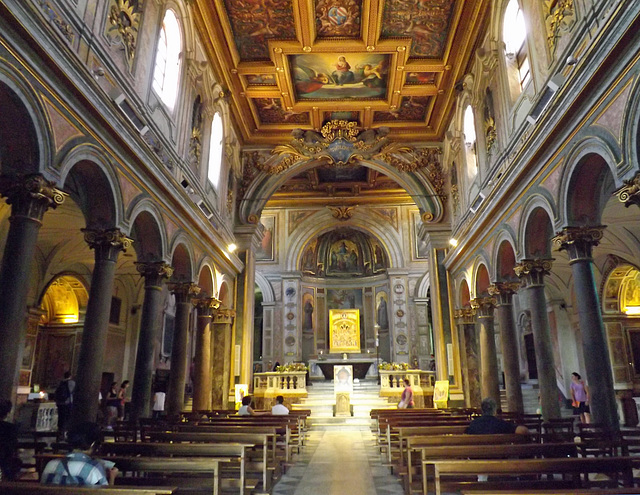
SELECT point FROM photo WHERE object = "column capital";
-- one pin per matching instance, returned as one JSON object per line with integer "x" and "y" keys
{"x": 465, "y": 316}
{"x": 30, "y": 195}
{"x": 154, "y": 271}
{"x": 224, "y": 315}
{"x": 484, "y": 306}
{"x": 578, "y": 241}
{"x": 532, "y": 271}
{"x": 107, "y": 243}
{"x": 206, "y": 305}
{"x": 503, "y": 292}
{"x": 629, "y": 194}
{"x": 184, "y": 291}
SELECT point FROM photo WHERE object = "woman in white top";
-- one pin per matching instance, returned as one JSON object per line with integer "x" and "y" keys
{"x": 247, "y": 410}
{"x": 158, "y": 403}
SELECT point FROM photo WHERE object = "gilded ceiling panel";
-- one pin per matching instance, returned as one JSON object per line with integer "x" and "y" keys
{"x": 412, "y": 108}
{"x": 338, "y": 18}
{"x": 270, "y": 111}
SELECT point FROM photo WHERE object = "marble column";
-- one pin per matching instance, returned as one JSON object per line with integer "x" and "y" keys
{"x": 30, "y": 197}
{"x": 531, "y": 273}
{"x": 154, "y": 273}
{"x": 107, "y": 245}
{"x": 489, "y": 384}
{"x": 248, "y": 238}
{"x": 221, "y": 352}
{"x": 202, "y": 361}
{"x": 183, "y": 293}
{"x": 466, "y": 318}
{"x": 503, "y": 292}
{"x": 578, "y": 242}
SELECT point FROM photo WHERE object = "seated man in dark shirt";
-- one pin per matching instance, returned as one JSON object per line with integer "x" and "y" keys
{"x": 488, "y": 424}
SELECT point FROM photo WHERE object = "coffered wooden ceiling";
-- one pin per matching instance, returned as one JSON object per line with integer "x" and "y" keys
{"x": 299, "y": 63}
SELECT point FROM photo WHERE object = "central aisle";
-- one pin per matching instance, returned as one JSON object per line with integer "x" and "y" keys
{"x": 339, "y": 461}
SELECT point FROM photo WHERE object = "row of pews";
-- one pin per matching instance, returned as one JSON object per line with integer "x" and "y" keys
{"x": 429, "y": 451}
{"x": 211, "y": 453}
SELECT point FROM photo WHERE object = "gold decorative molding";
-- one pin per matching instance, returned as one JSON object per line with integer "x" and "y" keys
{"x": 154, "y": 269}
{"x": 124, "y": 17}
{"x": 578, "y": 241}
{"x": 503, "y": 291}
{"x": 559, "y": 15}
{"x": 63, "y": 26}
{"x": 629, "y": 194}
{"x": 342, "y": 213}
{"x": 532, "y": 271}
{"x": 484, "y": 306}
{"x": 465, "y": 315}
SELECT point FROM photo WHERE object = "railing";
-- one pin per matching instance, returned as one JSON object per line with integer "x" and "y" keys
{"x": 280, "y": 383}
{"x": 422, "y": 382}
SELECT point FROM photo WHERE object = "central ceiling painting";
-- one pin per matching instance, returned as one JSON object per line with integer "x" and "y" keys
{"x": 297, "y": 63}
{"x": 322, "y": 76}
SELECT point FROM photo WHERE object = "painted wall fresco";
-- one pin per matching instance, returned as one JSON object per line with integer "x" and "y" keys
{"x": 254, "y": 22}
{"x": 338, "y": 18}
{"x": 412, "y": 108}
{"x": 328, "y": 76}
{"x": 270, "y": 111}
{"x": 426, "y": 21}
{"x": 266, "y": 250}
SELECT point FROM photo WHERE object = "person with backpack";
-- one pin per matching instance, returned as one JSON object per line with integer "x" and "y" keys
{"x": 64, "y": 401}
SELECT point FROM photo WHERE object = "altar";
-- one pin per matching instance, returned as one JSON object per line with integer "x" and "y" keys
{"x": 362, "y": 366}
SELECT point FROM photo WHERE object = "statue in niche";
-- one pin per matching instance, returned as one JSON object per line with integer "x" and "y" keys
{"x": 309, "y": 260}
{"x": 383, "y": 315}
{"x": 378, "y": 257}
{"x": 307, "y": 322}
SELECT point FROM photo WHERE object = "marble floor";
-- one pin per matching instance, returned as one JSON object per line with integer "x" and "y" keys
{"x": 338, "y": 462}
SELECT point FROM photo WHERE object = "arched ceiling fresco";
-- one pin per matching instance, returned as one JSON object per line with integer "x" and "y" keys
{"x": 300, "y": 63}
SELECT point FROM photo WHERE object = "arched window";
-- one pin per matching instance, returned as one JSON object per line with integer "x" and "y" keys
{"x": 514, "y": 34}
{"x": 167, "y": 71}
{"x": 215, "y": 150}
{"x": 469, "y": 130}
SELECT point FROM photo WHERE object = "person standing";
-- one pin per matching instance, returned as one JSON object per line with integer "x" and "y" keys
{"x": 64, "y": 401}
{"x": 112, "y": 405}
{"x": 406, "y": 399}
{"x": 279, "y": 409}
{"x": 580, "y": 398}
{"x": 158, "y": 403}
{"x": 122, "y": 398}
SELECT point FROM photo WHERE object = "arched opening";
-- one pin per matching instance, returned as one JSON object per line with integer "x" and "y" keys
{"x": 482, "y": 281}
{"x": 470, "y": 147}
{"x": 215, "y": 150}
{"x": 465, "y": 295}
{"x": 147, "y": 240}
{"x": 59, "y": 331}
{"x": 506, "y": 261}
{"x": 538, "y": 235}
{"x": 166, "y": 74}
{"x": 18, "y": 139}
{"x": 514, "y": 36}
{"x": 590, "y": 188}
{"x": 258, "y": 333}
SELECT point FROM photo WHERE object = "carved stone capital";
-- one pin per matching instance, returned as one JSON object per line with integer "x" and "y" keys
{"x": 532, "y": 271}
{"x": 465, "y": 316}
{"x": 107, "y": 243}
{"x": 629, "y": 194}
{"x": 224, "y": 315}
{"x": 484, "y": 306}
{"x": 30, "y": 195}
{"x": 503, "y": 292}
{"x": 578, "y": 241}
{"x": 154, "y": 272}
{"x": 206, "y": 305}
{"x": 184, "y": 291}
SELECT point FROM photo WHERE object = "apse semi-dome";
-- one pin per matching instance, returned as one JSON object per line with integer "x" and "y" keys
{"x": 344, "y": 252}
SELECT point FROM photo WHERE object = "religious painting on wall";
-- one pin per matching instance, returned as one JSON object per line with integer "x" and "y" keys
{"x": 308, "y": 311}
{"x": 329, "y": 76}
{"x": 344, "y": 330}
{"x": 343, "y": 256}
{"x": 266, "y": 249}
{"x": 309, "y": 263}
{"x": 382, "y": 310}
{"x": 420, "y": 250}
{"x": 344, "y": 299}
{"x": 28, "y": 352}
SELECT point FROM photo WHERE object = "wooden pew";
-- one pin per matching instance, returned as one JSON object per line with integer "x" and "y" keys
{"x": 208, "y": 444}
{"x": 392, "y": 437}
{"x": 27, "y": 488}
{"x": 424, "y": 444}
{"x": 431, "y": 454}
{"x": 461, "y": 475}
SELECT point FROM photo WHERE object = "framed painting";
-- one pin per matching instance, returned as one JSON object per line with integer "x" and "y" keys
{"x": 267, "y": 249}
{"x": 28, "y": 352}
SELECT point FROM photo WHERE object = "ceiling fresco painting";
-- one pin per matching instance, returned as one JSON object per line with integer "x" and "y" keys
{"x": 421, "y": 78}
{"x": 374, "y": 62}
{"x": 411, "y": 108}
{"x": 255, "y": 22}
{"x": 426, "y": 21}
{"x": 271, "y": 112}
{"x": 338, "y": 18}
{"x": 327, "y": 77}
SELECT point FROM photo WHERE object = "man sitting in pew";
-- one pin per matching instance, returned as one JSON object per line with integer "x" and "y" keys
{"x": 78, "y": 468}
{"x": 279, "y": 409}
{"x": 489, "y": 424}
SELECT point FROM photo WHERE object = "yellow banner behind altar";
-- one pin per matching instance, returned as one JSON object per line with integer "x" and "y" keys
{"x": 344, "y": 330}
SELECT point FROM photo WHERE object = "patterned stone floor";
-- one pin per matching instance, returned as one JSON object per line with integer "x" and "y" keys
{"x": 339, "y": 461}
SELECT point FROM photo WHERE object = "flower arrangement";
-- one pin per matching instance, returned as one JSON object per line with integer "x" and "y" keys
{"x": 384, "y": 366}
{"x": 285, "y": 368}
